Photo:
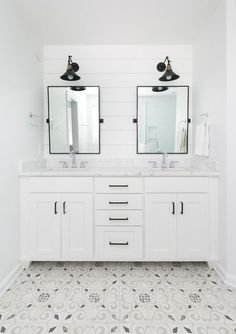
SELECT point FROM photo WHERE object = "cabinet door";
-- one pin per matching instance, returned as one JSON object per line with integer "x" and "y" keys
{"x": 45, "y": 227}
{"x": 77, "y": 227}
{"x": 192, "y": 227}
{"x": 160, "y": 226}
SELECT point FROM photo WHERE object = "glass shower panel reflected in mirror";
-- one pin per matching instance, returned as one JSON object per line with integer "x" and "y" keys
{"x": 162, "y": 117}
{"x": 74, "y": 120}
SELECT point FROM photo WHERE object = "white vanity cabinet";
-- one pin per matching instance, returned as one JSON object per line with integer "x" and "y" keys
{"x": 120, "y": 218}
{"x": 59, "y": 222}
{"x": 177, "y": 225}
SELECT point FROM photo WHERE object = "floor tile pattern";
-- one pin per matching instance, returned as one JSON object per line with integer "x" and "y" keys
{"x": 119, "y": 298}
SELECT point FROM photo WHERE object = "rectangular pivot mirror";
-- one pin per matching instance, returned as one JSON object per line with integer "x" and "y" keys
{"x": 162, "y": 119}
{"x": 73, "y": 119}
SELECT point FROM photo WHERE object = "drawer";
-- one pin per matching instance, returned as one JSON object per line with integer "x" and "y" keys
{"x": 61, "y": 184}
{"x": 116, "y": 185}
{"x": 176, "y": 184}
{"x": 118, "y": 201}
{"x": 116, "y": 243}
{"x": 118, "y": 217}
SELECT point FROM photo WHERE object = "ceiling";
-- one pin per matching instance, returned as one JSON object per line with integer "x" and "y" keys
{"x": 117, "y": 21}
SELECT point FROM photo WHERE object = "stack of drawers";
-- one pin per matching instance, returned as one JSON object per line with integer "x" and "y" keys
{"x": 118, "y": 218}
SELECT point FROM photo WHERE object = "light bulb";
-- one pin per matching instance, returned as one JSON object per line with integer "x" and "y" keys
{"x": 70, "y": 77}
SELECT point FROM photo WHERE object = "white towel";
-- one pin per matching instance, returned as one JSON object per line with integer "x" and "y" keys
{"x": 202, "y": 139}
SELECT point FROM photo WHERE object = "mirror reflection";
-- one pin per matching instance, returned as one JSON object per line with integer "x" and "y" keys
{"x": 162, "y": 119}
{"x": 73, "y": 119}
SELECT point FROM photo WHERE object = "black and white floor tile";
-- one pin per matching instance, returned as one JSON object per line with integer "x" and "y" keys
{"x": 119, "y": 298}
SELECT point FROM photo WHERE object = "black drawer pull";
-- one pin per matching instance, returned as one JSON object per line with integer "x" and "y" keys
{"x": 182, "y": 208}
{"x": 64, "y": 207}
{"x": 55, "y": 208}
{"x": 112, "y": 202}
{"x": 118, "y": 243}
{"x": 118, "y": 185}
{"x": 173, "y": 208}
{"x": 125, "y": 218}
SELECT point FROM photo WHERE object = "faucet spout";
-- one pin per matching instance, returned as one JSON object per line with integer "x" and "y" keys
{"x": 73, "y": 158}
{"x": 164, "y": 160}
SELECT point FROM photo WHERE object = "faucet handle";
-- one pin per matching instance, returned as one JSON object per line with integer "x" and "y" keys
{"x": 154, "y": 164}
{"x": 63, "y": 163}
{"x": 83, "y": 163}
{"x": 172, "y": 163}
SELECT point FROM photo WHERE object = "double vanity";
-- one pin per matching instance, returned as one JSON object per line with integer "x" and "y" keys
{"x": 118, "y": 215}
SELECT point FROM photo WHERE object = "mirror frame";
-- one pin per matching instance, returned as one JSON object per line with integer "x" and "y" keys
{"x": 188, "y": 120}
{"x": 99, "y": 120}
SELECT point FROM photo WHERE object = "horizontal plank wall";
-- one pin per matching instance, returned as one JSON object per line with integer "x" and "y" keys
{"x": 117, "y": 70}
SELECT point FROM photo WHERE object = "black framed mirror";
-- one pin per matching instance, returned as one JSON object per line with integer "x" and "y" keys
{"x": 162, "y": 119}
{"x": 74, "y": 119}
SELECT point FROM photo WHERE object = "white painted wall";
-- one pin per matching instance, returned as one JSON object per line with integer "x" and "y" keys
{"x": 214, "y": 72}
{"x": 231, "y": 140}
{"x": 20, "y": 93}
{"x": 117, "y": 70}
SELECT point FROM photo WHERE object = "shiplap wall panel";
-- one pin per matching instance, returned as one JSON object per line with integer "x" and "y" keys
{"x": 117, "y": 70}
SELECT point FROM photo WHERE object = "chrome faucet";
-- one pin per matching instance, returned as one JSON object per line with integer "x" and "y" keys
{"x": 164, "y": 160}
{"x": 72, "y": 154}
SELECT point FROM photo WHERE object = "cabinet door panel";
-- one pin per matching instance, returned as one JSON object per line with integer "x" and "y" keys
{"x": 192, "y": 227}
{"x": 45, "y": 227}
{"x": 77, "y": 227}
{"x": 160, "y": 227}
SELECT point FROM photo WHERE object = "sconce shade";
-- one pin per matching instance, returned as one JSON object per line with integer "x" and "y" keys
{"x": 159, "y": 89}
{"x": 70, "y": 74}
{"x": 169, "y": 74}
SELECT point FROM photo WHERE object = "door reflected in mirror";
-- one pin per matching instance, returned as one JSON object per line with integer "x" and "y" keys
{"x": 162, "y": 119}
{"x": 73, "y": 114}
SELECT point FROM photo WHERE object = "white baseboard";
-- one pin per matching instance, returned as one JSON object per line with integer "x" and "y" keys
{"x": 227, "y": 278}
{"x": 4, "y": 285}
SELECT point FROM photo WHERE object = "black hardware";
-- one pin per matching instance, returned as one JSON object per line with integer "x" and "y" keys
{"x": 118, "y": 243}
{"x": 112, "y": 202}
{"x": 55, "y": 208}
{"x": 101, "y": 120}
{"x": 173, "y": 208}
{"x": 126, "y": 218}
{"x": 47, "y": 120}
{"x": 135, "y": 120}
{"x": 189, "y": 120}
{"x": 64, "y": 208}
{"x": 118, "y": 185}
{"x": 182, "y": 208}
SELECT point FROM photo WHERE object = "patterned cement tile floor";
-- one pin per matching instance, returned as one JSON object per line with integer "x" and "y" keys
{"x": 101, "y": 298}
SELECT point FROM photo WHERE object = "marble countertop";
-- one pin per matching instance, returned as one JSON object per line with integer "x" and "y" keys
{"x": 79, "y": 172}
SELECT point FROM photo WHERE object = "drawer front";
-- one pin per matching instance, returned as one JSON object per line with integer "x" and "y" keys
{"x": 116, "y": 185}
{"x": 176, "y": 184}
{"x": 61, "y": 184}
{"x": 118, "y": 201}
{"x": 116, "y": 243}
{"x": 118, "y": 217}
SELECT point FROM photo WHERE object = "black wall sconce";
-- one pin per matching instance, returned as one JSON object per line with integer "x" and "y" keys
{"x": 70, "y": 74}
{"x": 169, "y": 74}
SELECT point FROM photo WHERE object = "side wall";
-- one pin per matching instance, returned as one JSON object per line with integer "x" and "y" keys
{"x": 209, "y": 96}
{"x": 21, "y": 93}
